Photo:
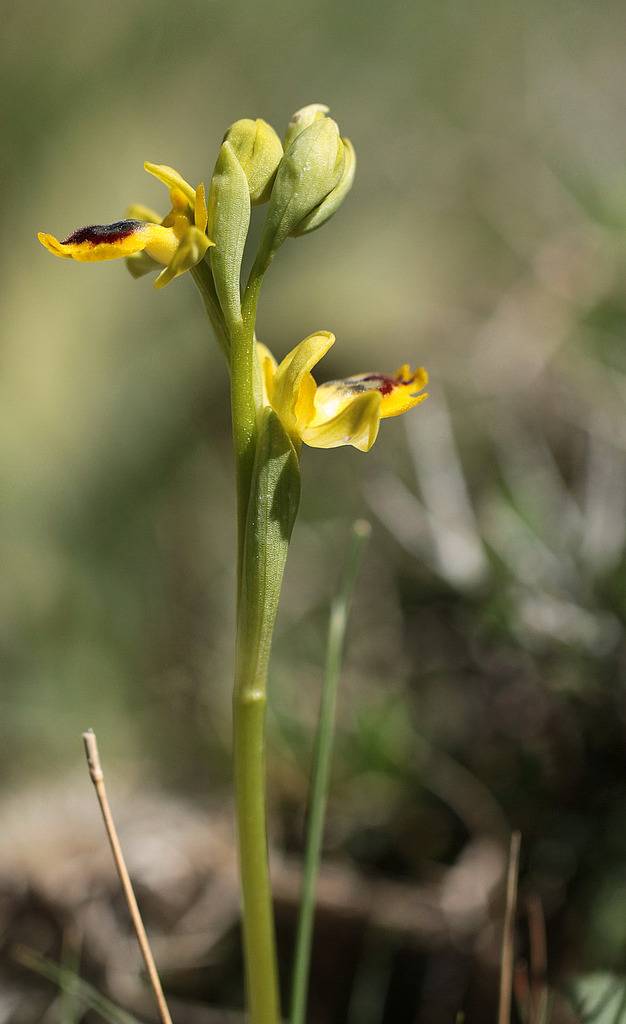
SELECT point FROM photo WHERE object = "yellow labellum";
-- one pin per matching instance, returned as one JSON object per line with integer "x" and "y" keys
{"x": 340, "y": 412}
{"x": 113, "y": 241}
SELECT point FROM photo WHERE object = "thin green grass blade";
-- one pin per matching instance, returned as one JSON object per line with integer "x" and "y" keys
{"x": 321, "y": 769}
{"x": 69, "y": 982}
{"x": 70, "y": 1003}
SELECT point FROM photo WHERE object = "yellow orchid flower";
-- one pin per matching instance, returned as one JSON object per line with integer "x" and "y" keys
{"x": 177, "y": 242}
{"x": 340, "y": 412}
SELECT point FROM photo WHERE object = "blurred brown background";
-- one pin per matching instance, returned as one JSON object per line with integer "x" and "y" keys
{"x": 484, "y": 682}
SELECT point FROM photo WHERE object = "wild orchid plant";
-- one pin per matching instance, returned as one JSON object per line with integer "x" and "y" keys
{"x": 276, "y": 406}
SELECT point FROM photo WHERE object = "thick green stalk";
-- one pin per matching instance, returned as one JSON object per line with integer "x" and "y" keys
{"x": 321, "y": 771}
{"x": 259, "y": 569}
{"x": 267, "y": 498}
{"x": 245, "y": 402}
{"x": 249, "y": 702}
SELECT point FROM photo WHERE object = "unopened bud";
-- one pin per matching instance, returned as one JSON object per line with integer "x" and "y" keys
{"x": 302, "y": 119}
{"x": 312, "y": 167}
{"x": 334, "y": 199}
{"x": 259, "y": 151}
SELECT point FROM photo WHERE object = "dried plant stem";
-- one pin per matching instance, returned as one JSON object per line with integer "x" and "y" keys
{"x": 508, "y": 943}
{"x": 97, "y": 777}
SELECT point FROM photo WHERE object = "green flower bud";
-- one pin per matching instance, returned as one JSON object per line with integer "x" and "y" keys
{"x": 259, "y": 151}
{"x": 228, "y": 221}
{"x": 334, "y": 199}
{"x": 312, "y": 167}
{"x": 302, "y": 119}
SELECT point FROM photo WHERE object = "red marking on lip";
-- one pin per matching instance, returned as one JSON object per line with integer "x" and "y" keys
{"x": 385, "y": 384}
{"x": 100, "y": 234}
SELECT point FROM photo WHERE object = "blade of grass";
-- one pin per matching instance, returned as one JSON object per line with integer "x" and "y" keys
{"x": 508, "y": 937}
{"x": 321, "y": 769}
{"x": 97, "y": 777}
{"x": 69, "y": 982}
{"x": 69, "y": 1009}
{"x": 538, "y": 959}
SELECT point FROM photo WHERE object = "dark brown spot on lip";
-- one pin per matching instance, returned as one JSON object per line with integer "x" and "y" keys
{"x": 97, "y": 234}
{"x": 384, "y": 384}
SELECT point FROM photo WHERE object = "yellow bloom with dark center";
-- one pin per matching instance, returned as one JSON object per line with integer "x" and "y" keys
{"x": 177, "y": 242}
{"x": 340, "y": 412}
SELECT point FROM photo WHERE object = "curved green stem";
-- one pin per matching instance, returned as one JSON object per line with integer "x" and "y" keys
{"x": 203, "y": 279}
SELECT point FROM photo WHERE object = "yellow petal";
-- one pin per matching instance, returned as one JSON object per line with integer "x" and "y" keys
{"x": 294, "y": 387}
{"x": 172, "y": 179}
{"x": 268, "y": 367}
{"x": 100, "y": 241}
{"x": 137, "y": 211}
{"x": 180, "y": 202}
{"x": 191, "y": 250}
{"x": 356, "y": 424}
{"x": 200, "y": 209}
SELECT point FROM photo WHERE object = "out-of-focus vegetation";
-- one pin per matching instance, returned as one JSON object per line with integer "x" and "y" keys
{"x": 485, "y": 238}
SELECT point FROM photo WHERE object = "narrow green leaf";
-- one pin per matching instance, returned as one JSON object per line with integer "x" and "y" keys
{"x": 68, "y": 981}
{"x": 272, "y": 510}
{"x": 599, "y": 998}
{"x": 321, "y": 770}
{"x": 70, "y": 1010}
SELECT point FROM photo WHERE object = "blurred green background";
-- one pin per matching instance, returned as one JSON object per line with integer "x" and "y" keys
{"x": 484, "y": 239}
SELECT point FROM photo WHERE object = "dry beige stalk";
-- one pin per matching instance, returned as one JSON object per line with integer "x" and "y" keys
{"x": 97, "y": 777}
{"x": 508, "y": 932}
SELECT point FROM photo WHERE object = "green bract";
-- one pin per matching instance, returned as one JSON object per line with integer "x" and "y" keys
{"x": 259, "y": 151}
{"x": 228, "y": 223}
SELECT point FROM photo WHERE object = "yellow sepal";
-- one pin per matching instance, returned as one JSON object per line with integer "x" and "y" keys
{"x": 294, "y": 387}
{"x": 137, "y": 211}
{"x": 268, "y": 371}
{"x": 172, "y": 179}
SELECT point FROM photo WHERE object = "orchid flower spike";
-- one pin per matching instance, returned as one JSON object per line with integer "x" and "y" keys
{"x": 177, "y": 242}
{"x": 340, "y": 412}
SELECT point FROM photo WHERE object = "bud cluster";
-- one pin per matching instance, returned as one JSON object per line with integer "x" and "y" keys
{"x": 303, "y": 180}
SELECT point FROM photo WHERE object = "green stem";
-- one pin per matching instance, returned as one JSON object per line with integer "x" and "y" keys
{"x": 236, "y": 332}
{"x": 249, "y": 704}
{"x": 203, "y": 279}
{"x": 250, "y": 693}
{"x": 245, "y": 402}
{"x": 321, "y": 771}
